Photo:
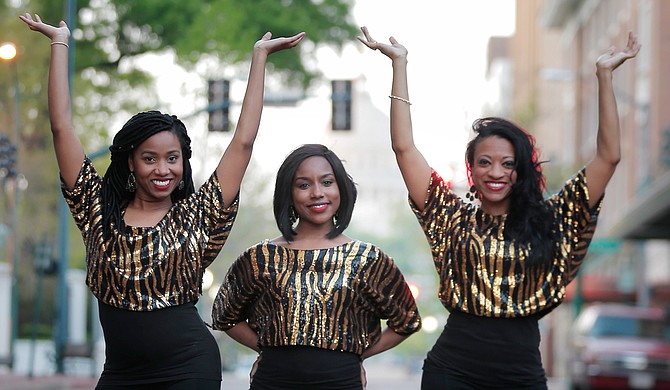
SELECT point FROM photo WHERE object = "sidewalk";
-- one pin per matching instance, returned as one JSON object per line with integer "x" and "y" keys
{"x": 53, "y": 382}
{"x": 230, "y": 382}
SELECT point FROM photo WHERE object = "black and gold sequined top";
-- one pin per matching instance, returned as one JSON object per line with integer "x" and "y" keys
{"x": 331, "y": 298}
{"x": 484, "y": 274}
{"x": 148, "y": 268}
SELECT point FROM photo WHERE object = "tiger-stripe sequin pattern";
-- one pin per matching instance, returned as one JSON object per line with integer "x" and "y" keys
{"x": 330, "y": 298}
{"x": 148, "y": 268}
{"x": 484, "y": 274}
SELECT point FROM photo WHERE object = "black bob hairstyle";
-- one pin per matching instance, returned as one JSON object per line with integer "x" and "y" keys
{"x": 283, "y": 198}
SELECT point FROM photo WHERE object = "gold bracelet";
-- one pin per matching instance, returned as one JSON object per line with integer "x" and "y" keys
{"x": 401, "y": 99}
{"x": 60, "y": 43}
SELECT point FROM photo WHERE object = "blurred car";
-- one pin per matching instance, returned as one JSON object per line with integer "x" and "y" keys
{"x": 618, "y": 346}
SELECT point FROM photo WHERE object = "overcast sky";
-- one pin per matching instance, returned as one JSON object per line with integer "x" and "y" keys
{"x": 447, "y": 43}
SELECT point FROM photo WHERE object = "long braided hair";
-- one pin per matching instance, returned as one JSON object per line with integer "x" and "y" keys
{"x": 529, "y": 220}
{"x": 115, "y": 195}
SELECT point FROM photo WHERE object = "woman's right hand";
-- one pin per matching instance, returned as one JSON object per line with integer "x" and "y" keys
{"x": 269, "y": 45}
{"x": 56, "y": 34}
{"x": 393, "y": 51}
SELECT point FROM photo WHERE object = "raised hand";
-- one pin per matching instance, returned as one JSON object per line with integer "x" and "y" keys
{"x": 60, "y": 33}
{"x": 269, "y": 45}
{"x": 611, "y": 59}
{"x": 393, "y": 51}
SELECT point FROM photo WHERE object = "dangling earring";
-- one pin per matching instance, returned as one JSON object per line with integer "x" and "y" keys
{"x": 335, "y": 218}
{"x": 181, "y": 185}
{"x": 131, "y": 184}
{"x": 292, "y": 214}
{"x": 472, "y": 193}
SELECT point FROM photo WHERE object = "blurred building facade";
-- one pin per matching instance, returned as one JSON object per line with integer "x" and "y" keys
{"x": 554, "y": 96}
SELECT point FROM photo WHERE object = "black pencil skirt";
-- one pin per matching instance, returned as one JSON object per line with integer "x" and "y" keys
{"x": 297, "y": 368}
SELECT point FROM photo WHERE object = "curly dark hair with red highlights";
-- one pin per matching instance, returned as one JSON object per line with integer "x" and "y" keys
{"x": 529, "y": 220}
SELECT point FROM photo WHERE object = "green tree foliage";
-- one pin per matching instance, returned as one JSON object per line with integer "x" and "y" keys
{"x": 109, "y": 35}
{"x": 119, "y": 29}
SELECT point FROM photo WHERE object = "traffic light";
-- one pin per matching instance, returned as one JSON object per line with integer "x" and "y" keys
{"x": 7, "y": 157}
{"x": 218, "y": 103}
{"x": 341, "y": 104}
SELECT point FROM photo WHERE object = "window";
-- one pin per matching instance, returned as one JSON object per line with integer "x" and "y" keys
{"x": 218, "y": 103}
{"x": 341, "y": 104}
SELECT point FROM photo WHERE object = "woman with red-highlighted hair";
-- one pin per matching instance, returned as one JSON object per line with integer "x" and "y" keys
{"x": 505, "y": 260}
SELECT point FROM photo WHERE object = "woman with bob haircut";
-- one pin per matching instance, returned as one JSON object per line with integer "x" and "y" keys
{"x": 149, "y": 235}
{"x": 311, "y": 301}
{"x": 505, "y": 258}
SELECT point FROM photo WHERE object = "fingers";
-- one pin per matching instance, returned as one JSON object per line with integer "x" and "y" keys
{"x": 366, "y": 33}
{"x": 293, "y": 41}
{"x": 297, "y": 38}
{"x": 269, "y": 45}
{"x": 27, "y": 18}
{"x": 633, "y": 46}
{"x": 368, "y": 41}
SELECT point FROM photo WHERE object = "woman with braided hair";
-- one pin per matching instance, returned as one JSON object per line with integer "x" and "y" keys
{"x": 148, "y": 234}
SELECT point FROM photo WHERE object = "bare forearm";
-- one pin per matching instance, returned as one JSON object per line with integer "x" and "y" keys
{"x": 608, "y": 138}
{"x": 235, "y": 159}
{"x": 401, "y": 122}
{"x": 388, "y": 340}
{"x": 244, "y": 335}
{"x": 252, "y": 105}
{"x": 60, "y": 111}
{"x": 413, "y": 166}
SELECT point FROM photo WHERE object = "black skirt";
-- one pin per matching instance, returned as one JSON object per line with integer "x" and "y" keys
{"x": 162, "y": 345}
{"x": 487, "y": 353}
{"x": 297, "y": 368}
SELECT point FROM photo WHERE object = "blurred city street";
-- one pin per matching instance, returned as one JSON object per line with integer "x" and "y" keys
{"x": 379, "y": 378}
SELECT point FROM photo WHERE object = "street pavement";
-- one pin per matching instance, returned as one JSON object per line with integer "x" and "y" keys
{"x": 379, "y": 379}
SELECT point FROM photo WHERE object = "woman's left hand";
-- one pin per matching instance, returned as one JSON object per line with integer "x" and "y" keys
{"x": 393, "y": 51}
{"x": 611, "y": 59}
{"x": 269, "y": 45}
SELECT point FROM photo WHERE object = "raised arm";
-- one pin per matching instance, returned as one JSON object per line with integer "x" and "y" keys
{"x": 69, "y": 151}
{"x": 599, "y": 171}
{"x": 413, "y": 166}
{"x": 235, "y": 159}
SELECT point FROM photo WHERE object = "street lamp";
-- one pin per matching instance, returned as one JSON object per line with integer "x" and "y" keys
{"x": 8, "y": 53}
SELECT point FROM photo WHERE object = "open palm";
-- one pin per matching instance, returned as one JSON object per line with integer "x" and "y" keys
{"x": 277, "y": 44}
{"x": 393, "y": 50}
{"x": 611, "y": 59}
{"x": 62, "y": 32}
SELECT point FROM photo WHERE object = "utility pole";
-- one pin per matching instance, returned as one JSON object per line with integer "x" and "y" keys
{"x": 63, "y": 219}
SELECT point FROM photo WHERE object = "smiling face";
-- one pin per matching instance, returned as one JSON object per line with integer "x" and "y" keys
{"x": 158, "y": 166}
{"x": 316, "y": 195}
{"x": 493, "y": 174}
